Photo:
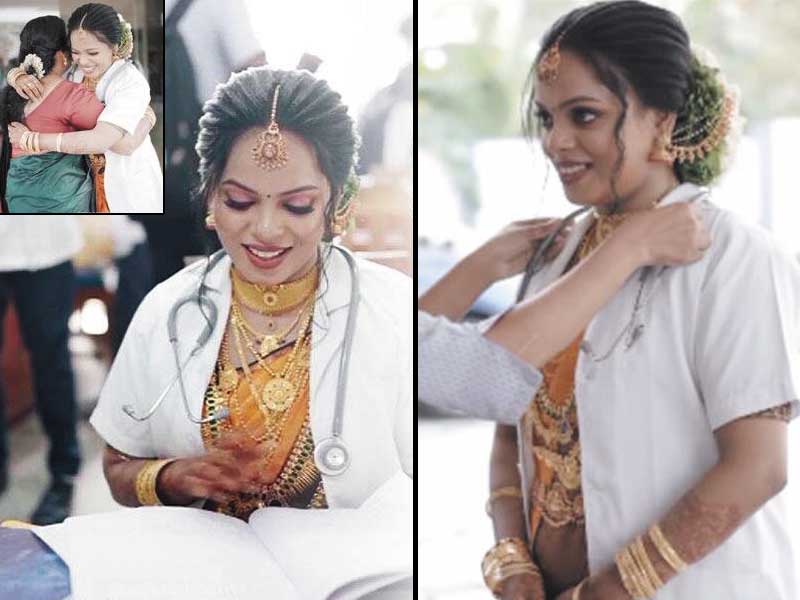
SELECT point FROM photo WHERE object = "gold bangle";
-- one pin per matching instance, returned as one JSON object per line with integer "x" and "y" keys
{"x": 648, "y": 571}
{"x": 508, "y": 557}
{"x": 629, "y": 575}
{"x": 146, "y": 480}
{"x": 59, "y": 137}
{"x": 13, "y": 75}
{"x": 666, "y": 550}
{"x": 576, "y": 593}
{"x": 509, "y": 491}
{"x": 639, "y": 576}
{"x": 22, "y": 139}
{"x": 36, "y": 147}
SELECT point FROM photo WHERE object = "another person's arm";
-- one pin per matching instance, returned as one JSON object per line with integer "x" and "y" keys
{"x": 504, "y": 255}
{"x": 541, "y": 326}
{"x": 131, "y": 142}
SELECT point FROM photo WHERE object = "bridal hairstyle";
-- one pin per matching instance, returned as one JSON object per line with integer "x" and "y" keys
{"x": 634, "y": 45}
{"x": 101, "y": 20}
{"x": 307, "y": 106}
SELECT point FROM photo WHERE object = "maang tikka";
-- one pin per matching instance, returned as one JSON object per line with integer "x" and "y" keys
{"x": 270, "y": 149}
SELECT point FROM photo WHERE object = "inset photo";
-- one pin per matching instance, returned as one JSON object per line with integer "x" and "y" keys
{"x": 81, "y": 107}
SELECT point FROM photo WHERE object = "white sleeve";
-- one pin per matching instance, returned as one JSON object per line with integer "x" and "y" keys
{"x": 747, "y": 342}
{"x": 461, "y": 370}
{"x": 236, "y": 38}
{"x": 126, "y": 99}
{"x": 125, "y": 386}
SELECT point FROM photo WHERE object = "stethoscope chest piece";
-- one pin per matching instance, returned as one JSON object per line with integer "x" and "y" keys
{"x": 332, "y": 456}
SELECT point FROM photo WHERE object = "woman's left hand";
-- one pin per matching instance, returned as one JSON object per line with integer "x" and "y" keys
{"x": 15, "y": 131}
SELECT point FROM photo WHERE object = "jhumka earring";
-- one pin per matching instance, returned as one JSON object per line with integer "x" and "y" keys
{"x": 270, "y": 149}
{"x": 341, "y": 219}
{"x": 547, "y": 69}
{"x": 211, "y": 222}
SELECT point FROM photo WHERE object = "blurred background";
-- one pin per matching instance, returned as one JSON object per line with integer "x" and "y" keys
{"x": 365, "y": 53}
{"x": 476, "y": 174}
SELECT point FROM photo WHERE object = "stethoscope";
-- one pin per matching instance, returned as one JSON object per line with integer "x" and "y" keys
{"x": 331, "y": 454}
{"x": 635, "y": 326}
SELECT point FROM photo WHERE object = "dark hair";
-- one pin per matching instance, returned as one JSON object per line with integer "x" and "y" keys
{"x": 100, "y": 19}
{"x": 43, "y": 36}
{"x": 307, "y": 106}
{"x": 627, "y": 43}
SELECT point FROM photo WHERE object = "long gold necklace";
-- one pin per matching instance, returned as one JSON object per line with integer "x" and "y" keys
{"x": 279, "y": 392}
{"x": 274, "y": 419}
{"x": 274, "y": 299}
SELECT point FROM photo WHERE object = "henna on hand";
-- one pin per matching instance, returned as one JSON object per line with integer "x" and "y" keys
{"x": 696, "y": 526}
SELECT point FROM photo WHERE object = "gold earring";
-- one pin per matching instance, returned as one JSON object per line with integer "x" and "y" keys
{"x": 663, "y": 149}
{"x": 211, "y": 222}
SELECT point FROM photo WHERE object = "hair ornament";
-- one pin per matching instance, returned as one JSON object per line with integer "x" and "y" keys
{"x": 708, "y": 124}
{"x": 547, "y": 69}
{"x": 270, "y": 150}
{"x": 124, "y": 49}
{"x": 33, "y": 62}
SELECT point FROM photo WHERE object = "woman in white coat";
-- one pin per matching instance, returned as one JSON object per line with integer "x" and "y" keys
{"x": 101, "y": 43}
{"x": 276, "y": 151}
{"x": 654, "y": 453}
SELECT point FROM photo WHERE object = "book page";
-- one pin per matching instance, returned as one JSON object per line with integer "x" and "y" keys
{"x": 166, "y": 553}
{"x": 343, "y": 554}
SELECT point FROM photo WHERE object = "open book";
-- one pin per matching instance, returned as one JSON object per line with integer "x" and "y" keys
{"x": 175, "y": 553}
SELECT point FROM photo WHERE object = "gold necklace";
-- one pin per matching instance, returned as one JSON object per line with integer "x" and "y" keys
{"x": 274, "y": 420}
{"x": 274, "y": 299}
{"x": 270, "y": 341}
{"x": 279, "y": 392}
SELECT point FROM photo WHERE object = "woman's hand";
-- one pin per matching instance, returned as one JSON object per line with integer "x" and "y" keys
{"x": 670, "y": 235}
{"x": 29, "y": 87}
{"x": 15, "y": 131}
{"x": 508, "y": 252}
{"x": 523, "y": 587}
{"x": 232, "y": 466}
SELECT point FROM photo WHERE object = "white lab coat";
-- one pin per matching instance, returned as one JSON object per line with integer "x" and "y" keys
{"x": 721, "y": 341}
{"x": 134, "y": 183}
{"x": 378, "y": 413}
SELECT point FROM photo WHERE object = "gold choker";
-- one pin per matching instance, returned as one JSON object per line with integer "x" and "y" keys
{"x": 274, "y": 299}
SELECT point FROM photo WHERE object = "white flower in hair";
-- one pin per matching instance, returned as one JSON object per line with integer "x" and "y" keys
{"x": 32, "y": 61}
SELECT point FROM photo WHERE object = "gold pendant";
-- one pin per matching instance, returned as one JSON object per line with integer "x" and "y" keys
{"x": 269, "y": 344}
{"x": 228, "y": 379}
{"x": 278, "y": 394}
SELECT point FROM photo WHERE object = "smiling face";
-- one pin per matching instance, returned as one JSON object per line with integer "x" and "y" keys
{"x": 93, "y": 54}
{"x": 271, "y": 222}
{"x": 576, "y": 115}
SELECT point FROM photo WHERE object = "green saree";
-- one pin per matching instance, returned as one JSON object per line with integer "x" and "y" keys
{"x": 49, "y": 183}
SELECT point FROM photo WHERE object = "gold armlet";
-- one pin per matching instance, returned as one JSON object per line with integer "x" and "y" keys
{"x": 509, "y": 491}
